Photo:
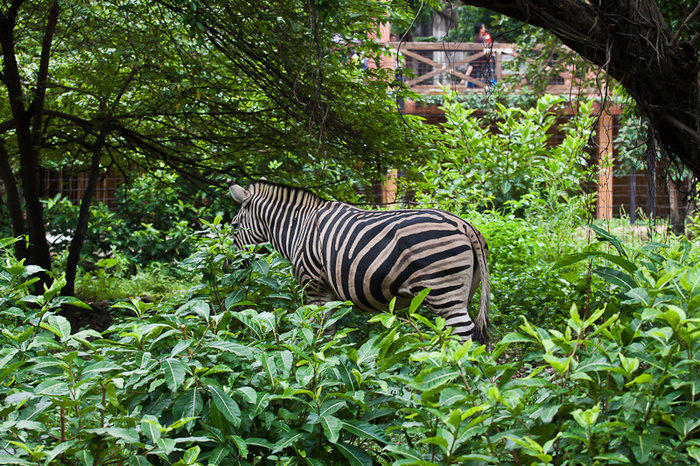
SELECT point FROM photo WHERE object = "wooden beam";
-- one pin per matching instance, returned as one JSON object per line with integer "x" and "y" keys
{"x": 604, "y": 200}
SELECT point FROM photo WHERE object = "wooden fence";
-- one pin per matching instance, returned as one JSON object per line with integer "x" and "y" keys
{"x": 462, "y": 66}
{"x": 72, "y": 185}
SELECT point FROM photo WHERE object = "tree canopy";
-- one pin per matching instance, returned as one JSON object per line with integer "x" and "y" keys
{"x": 209, "y": 89}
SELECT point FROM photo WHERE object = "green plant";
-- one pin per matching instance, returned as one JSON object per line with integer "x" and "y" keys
{"x": 523, "y": 282}
{"x": 506, "y": 160}
{"x": 616, "y": 386}
{"x": 113, "y": 279}
{"x": 229, "y": 373}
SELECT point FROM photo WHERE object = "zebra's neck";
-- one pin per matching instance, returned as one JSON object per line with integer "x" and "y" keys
{"x": 290, "y": 215}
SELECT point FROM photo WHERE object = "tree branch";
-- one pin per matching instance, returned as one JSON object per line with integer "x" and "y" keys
{"x": 677, "y": 35}
{"x": 42, "y": 75}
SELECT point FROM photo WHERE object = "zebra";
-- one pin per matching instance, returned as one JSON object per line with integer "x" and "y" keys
{"x": 341, "y": 252}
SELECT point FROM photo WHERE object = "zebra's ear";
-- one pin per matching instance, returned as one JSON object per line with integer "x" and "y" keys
{"x": 238, "y": 194}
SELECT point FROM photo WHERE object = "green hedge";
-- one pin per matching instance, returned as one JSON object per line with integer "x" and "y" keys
{"x": 238, "y": 371}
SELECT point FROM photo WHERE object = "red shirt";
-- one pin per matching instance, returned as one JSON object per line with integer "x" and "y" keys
{"x": 484, "y": 38}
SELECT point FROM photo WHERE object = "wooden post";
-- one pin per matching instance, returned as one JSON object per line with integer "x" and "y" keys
{"x": 387, "y": 188}
{"x": 604, "y": 200}
{"x": 390, "y": 182}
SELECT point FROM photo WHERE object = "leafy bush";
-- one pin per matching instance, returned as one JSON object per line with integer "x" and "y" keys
{"x": 507, "y": 160}
{"x": 113, "y": 279}
{"x": 239, "y": 371}
{"x": 160, "y": 212}
{"x": 149, "y": 222}
{"x": 523, "y": 282}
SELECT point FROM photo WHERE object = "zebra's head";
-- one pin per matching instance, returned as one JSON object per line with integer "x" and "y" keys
{"x": 249, "y": 229}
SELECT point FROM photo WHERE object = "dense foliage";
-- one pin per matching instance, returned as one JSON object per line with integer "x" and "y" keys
{"x": 212, "y": 355}
{"x": 236, "y": 371}
{"x": 508, "y": 159}
{"x": 150, "y": 220}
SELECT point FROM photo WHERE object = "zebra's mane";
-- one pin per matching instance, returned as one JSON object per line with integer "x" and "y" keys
{"x": 267, "y": 188}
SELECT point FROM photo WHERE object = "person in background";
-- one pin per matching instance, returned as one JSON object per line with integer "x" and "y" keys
{"x": 481, "y": 35}
{"x": 482, "y": 65}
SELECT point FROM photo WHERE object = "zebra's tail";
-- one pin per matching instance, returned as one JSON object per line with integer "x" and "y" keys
{"x": 482, "y": 324}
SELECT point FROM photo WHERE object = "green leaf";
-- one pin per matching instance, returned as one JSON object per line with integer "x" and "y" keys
{"x": 152, "y": 428}
{"x": 637, "y": 296}
{"x": 8, "y": 357}
{"x": 11, "y": 459}
{"x": 191, "y": 454}
{"x": 226, "y": 405}
{"x": 587, "y": 418}
{"x": 355, "y": 456}
{"x": 248, "y": 394}
{"x": 128, "y": 436}
{"x": 437, "y": 441}
{"x": 615, "y": 277}
{"x": 231, "y": 347}
{"x": 684, "y": 425}
{"x": 73, "y": 301}
{"x": 58, "y": 450}
{"x": 52, "y": 387}
{"x": 101, "y": 366}
{"x": 58, "y": 325}
{"x": 166, "y": 444}
{"x": 367, "y": 352}
{"x": 640, "y": 379}
{"x": 546, "y": 413}
{"x": 259, "y": 442}
{"x": 331, "y": 406}
{"x": 219, "y": 454}
{"x": 86, "y": 459}
{"x": 366, "y": 430}
{"x": 407, "y": 452}
{"x": 418, "y": 300}
{"x": 612, "y": 239}
{"x": 643, "y": 445}
{"x": 261, "y": 403}
{"x": 434, "y": 377}
{"x": 331, "y": 426}
{"x": 174, "y": 371}
{"x": 290, "y": 438}
{"x": 558, "y": 364}
{"x": 240, "y": 445}
{"x": 571, "y": 259}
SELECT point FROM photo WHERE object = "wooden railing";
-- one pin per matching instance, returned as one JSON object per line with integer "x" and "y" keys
{"x": 461, "y": 66}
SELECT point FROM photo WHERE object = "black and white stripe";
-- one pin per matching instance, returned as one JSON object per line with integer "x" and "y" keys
{"x": 370, "y": 257}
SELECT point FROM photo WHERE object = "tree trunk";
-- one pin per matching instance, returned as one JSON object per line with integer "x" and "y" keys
{"x": 633, "y": 196}
{"x": 651, "y": 184}
{"x": 38, "y": 253}
{"x": 675, "y": 200}
{"x": 14, "y": 205}
{"x": 631, "y": 40}
{"x": 81, "y": 228}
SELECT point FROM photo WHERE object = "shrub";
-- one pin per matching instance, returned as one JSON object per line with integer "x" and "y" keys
{"x": 224, "y": 376}
{"x": 508, "y": 161}
{"x": 523, "y": 282}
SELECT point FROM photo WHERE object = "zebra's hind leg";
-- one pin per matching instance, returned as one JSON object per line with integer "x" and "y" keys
{"x": 457, "y": 316}
{"x": 462, "y": 324}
